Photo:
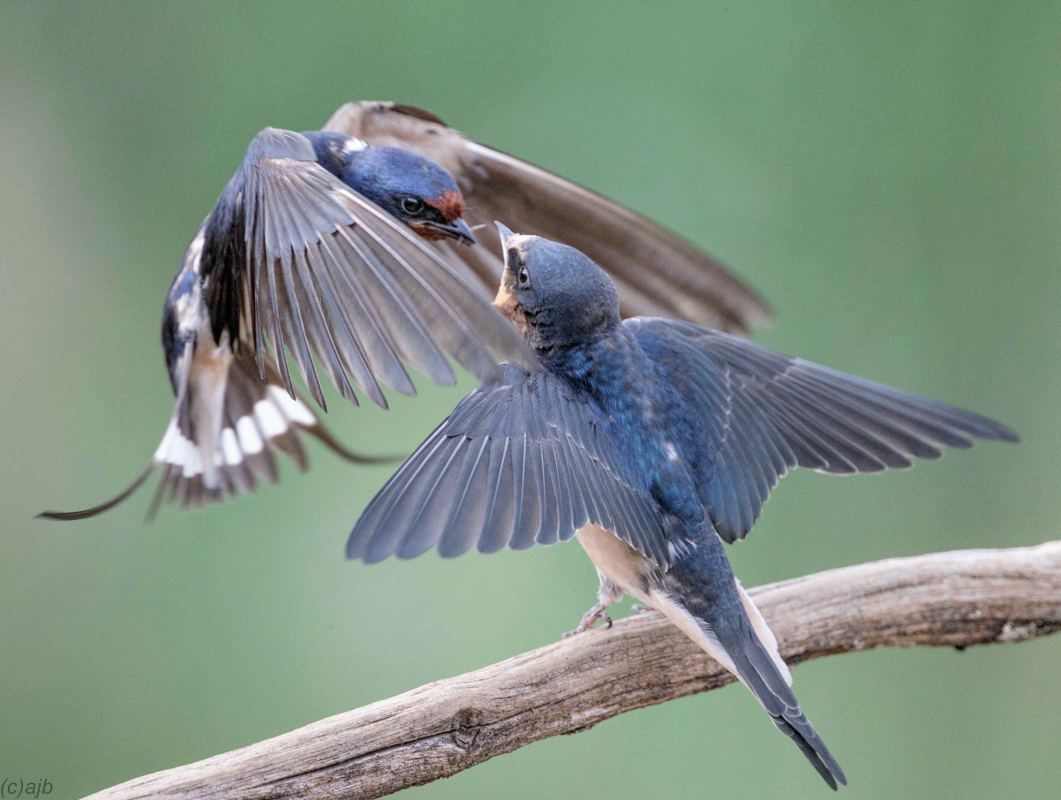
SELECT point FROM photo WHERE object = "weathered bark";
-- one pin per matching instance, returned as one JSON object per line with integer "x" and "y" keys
{"x": 959, "y": 599}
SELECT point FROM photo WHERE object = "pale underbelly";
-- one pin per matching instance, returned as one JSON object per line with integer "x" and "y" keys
{"x": 618, "y": 561}
{"x": 637, "y": 576}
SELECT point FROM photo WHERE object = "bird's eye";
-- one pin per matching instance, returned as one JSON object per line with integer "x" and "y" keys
{"x": 412, "y": 205}
{"x": 524, "y": 278}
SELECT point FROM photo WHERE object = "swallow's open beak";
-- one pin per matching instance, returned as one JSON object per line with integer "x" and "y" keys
{"x": 506, "y": 299}
{"x": 506, "y": 242}
{"x": 458, "y": 229}
{"x": 505, "y": 234}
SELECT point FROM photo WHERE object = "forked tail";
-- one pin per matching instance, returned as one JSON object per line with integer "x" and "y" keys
{"x": 252, "y": 421}
{"x": 703, "y": 598}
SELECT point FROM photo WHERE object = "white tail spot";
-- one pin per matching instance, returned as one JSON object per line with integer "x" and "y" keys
{"x": 168, "y": 440}
{"x": 193, "y": 460}
{"x": 269, "y": 417}
{"x": 295, "y": 410}
{"x": 249, "y": 440}
{"x": 230, "y": 447}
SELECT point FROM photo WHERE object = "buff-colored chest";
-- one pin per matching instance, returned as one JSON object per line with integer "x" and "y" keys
{"x": 626, "y": 567}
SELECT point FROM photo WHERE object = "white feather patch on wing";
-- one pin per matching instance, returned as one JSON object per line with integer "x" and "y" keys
{"x": 270, "y": 419}
{"x": 762, "y": 630}
{"x": 295, "y": 410}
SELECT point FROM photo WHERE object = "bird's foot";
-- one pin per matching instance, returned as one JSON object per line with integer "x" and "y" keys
{"x": 640, "y": 608}
{"x": 590, "y": 618}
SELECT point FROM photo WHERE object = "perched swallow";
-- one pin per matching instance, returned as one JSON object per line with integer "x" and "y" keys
{"x": 652, "y": 441}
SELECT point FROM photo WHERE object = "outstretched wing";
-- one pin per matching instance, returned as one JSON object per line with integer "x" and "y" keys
{"x": 656, "y": 271}
{"x": 517, "y": 463}
{"x": 293, "y": 255}
{"x": 763, "y": 413}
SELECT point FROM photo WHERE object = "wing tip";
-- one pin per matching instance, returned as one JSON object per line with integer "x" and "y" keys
{"x": 350, "y": 550}
{"x": 1004, "y": 433}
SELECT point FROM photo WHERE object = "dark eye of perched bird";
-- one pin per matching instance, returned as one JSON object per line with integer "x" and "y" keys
{"x": 524, "y": 278}
{"x": 412, "y": 205}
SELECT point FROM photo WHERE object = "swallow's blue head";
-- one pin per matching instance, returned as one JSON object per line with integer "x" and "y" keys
{"x": 554, "y": 294}
{"x": 411, "y": 188}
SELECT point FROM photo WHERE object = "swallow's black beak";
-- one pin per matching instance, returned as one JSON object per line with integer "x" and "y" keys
{"x": 458, "y": 229}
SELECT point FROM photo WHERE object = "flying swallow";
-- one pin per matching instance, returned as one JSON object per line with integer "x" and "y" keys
{"x": 319, "y": 244}
{"x": 653, "y": 442}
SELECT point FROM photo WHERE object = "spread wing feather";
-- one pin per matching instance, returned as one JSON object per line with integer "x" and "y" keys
{"x": 762, "y": 413}
{"x": 319, "y": 270}
{"x": 519, "y": 462}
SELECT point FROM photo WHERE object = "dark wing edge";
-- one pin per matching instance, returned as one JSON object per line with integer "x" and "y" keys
{"x": 766, "y": 413}
{"x": 657, "y": 272}
{"x": 518, "y": 463}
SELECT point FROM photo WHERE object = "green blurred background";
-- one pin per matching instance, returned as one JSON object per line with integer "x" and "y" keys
{"x": 888, "y": 175}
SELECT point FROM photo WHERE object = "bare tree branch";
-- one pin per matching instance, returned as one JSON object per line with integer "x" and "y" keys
{"x": 959, "y": 598}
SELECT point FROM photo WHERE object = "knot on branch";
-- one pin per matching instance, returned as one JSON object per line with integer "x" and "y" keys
{"x": 466, "y": 729}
